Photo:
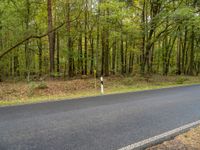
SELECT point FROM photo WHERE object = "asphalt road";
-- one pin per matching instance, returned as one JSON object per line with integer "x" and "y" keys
{"x": 99, "y": 123}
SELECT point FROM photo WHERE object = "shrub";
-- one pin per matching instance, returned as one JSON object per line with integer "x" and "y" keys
{"x": 128, "y": 81}
{"x": 181, "y": 80}
{"x": 33, "y": 86}
{"x": 42, "y": 85}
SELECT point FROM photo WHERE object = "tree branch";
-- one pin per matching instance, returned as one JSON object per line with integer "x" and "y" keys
{"x": 28, "y": 38}
{"x": 36, "y": 37}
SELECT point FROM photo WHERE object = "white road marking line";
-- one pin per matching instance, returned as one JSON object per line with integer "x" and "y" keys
{"x": 161, "y": 136}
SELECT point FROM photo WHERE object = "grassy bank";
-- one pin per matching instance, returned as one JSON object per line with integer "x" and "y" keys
{"x": 15, "y": 93}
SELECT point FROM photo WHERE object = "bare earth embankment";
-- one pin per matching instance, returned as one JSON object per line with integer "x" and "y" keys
{"x": 12, "y": 93}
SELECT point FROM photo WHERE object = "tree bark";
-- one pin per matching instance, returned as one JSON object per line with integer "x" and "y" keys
{"x": 191, "y": 67}
{"x": 86, "y": 37}
{"x": 51, "y": 36}
{"x": 40, "y": 56}
{"x": 69, "y": 43}
{"x": 58, "y": 52}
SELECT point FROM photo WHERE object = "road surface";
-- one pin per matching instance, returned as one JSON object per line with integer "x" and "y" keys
{"x": 99, "y": 123}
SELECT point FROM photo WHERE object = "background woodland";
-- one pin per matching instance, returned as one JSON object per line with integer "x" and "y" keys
{"x": 69, "y": 38}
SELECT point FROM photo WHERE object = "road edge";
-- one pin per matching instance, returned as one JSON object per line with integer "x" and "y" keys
{"x": 161, "y": 138}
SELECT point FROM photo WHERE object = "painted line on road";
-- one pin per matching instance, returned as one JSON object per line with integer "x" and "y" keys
{"x": 160, "y": 138}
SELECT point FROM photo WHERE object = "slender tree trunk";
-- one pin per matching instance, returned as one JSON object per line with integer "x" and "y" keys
{"x": 126, "y": 58}
{"x": 11, "y": 66}
{"x": 58, "y": 52}
{"x": 114, "y": 49}
{"x": 131, "y": 59}
{"x": 191, "y": 67}
{"x": 27, "y": 52}
{"x": 184, "y": 50}
{"x": 1, "y": 43}
{"x": 51, "y": 36}
{"x": 106, "y": 64}
{"x": 179, "y": 56}
{"x": 97, "y": 50}
{"x": 122, "y": 56}
{"x": 80, "y": 56}
{"x": 16, "y": 66}
{"x": 169, "y": 54}
{"x": 143, "y": 25}
{"x": 39, "y": 43}
{"x": 69, "y": 43}
{"x": 107, "y": 47}
{"x": 86, "y": 37}
{"x": 92, "y": 56}
{"x": 102, "y": 52}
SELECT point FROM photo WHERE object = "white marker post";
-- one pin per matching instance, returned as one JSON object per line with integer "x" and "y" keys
{"x": 102, "y": 90}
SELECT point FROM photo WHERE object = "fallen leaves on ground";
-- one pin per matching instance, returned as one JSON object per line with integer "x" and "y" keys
{"x": 186, "y": 141}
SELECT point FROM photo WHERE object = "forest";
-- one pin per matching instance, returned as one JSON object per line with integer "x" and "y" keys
{"x": 72, "y": 38}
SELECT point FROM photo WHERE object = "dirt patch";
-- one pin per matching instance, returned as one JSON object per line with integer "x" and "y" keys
{"x": 186, "y": 141}
{"x": 23, "y": 90}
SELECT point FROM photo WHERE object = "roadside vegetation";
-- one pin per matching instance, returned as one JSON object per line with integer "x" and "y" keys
{"x": 53, "y": 49}
{"x": 12, "y": 92}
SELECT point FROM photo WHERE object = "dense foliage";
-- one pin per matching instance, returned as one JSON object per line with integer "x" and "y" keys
{"x": 87, "y": 37}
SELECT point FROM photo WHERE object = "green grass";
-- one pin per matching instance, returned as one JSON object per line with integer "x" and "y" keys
{"x": 110, "y": 90}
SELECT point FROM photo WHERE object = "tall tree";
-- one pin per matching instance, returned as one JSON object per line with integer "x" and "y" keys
{"x": 51, "y": 36}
